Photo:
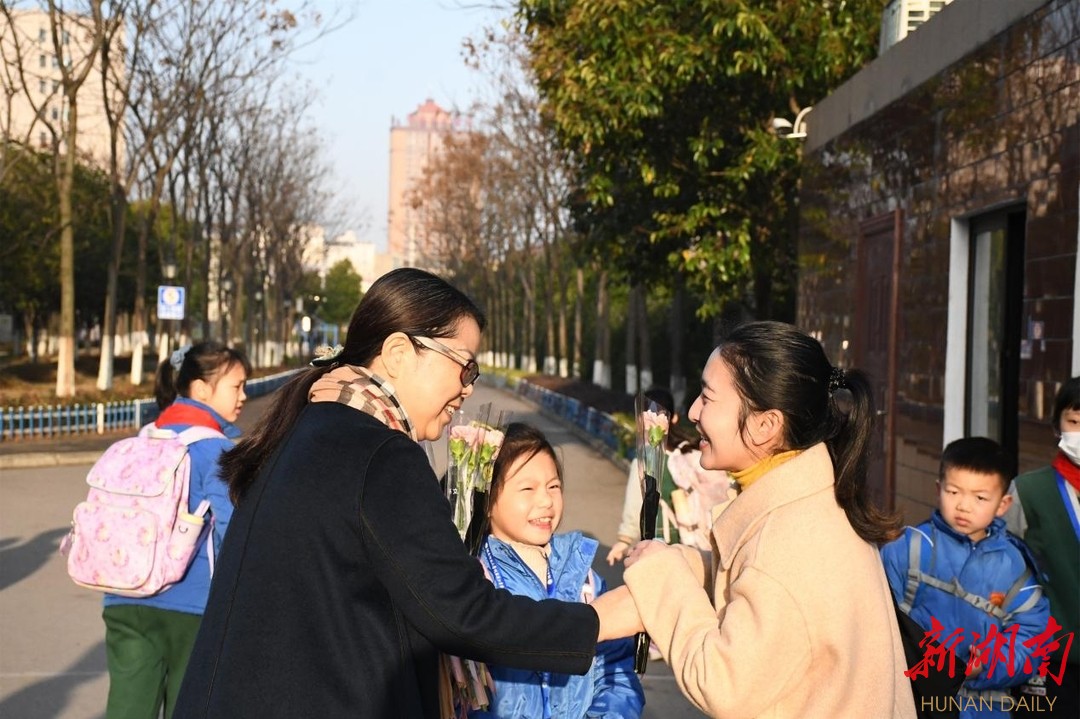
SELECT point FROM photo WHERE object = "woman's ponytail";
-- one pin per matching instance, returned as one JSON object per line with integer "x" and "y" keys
{"x": 851, "y": 407}
{"x": 241, "y": 464}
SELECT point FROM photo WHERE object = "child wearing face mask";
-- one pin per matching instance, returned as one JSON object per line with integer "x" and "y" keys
{"x": 961, "y": 569}
{"x": 1044, "y": 512}
{"x": 521, "y": 553}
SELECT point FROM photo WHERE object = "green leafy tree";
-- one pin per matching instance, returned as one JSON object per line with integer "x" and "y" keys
{"x": 341, "y": 293}
{"x": 30, "y": 283}
{"x": 666, "y": 109}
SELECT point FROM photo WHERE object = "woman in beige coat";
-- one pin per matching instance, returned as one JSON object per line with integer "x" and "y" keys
{"x": 792, "y": 617}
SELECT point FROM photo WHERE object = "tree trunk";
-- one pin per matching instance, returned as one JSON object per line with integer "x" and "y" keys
{"x": 108, "y": 331}
{"x": 529, "y": 340}
{"x": 602, "y": 359}
{"x": 644, "y": 339}
{"x": 579, "y": 329}
{"x": 564, "y": 350}
{"x": 138, "y": 316}
{"x": 632, "y": 318}
{"x": 510, "y": 327}
{"x": 677, "y": 379}
{"x": 65, "y": 362}
{"x": 550, "y": 362}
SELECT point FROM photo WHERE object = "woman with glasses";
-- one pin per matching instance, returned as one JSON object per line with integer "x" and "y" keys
{"x": 342, "y": 577}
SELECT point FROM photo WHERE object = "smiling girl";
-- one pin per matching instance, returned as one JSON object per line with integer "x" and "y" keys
{"x": 523, "y": 554}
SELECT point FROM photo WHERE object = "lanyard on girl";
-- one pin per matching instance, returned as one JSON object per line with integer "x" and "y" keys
{"x": 497, "y": 578}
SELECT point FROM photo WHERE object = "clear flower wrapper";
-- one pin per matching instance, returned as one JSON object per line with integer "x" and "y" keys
{"x": 473, "y": 444}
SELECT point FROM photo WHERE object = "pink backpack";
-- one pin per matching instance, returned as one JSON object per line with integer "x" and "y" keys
{"x": 133, "y": 535}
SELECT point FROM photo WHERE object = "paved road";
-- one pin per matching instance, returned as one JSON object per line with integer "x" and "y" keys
{"x": 52, "y": 657}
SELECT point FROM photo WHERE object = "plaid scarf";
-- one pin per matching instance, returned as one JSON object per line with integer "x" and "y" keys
{"x": 359, "y": 388}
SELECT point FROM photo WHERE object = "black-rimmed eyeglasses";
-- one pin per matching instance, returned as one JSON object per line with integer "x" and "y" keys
{"x": 470, "y": 371}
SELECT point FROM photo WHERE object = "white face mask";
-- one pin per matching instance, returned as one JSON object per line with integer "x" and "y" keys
{"x": 1070, "y": 445}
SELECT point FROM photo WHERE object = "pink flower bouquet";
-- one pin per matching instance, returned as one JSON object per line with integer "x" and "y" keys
{"x": 473, "y": 445}
{"x": 653, "y": 425}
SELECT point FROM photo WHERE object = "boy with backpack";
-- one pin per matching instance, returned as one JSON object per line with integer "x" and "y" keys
{"x": 963, "y": 571}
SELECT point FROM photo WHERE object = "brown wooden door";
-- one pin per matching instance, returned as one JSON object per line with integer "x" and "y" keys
{"x": 876, "y": 307}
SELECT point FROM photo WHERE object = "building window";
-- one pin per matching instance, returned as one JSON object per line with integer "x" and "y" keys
{"x": 995, "y": 299}
{"x": 41, "y": 34}
{"x": 41, "y": 60}
{"x": 67, "y": 37}
{"x": 55, "y": 61}
{"x": 42, "y": 86}
{"x": 42, "y": 139}
{"x": 55, "y": 114}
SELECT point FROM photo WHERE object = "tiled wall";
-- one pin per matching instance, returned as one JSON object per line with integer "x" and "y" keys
{"x": 999, "y": 127}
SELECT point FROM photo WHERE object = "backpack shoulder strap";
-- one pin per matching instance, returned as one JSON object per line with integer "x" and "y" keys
{"x": 189, "y": 436}
{"x": 590, "y": 588}
{"x": 1031, "y": 571}
{"x": 196, "y": 433}
{"x": 915, "y": 575}
{"x": 154, "y": 432}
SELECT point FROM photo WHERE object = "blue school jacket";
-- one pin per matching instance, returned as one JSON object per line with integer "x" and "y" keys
{"x": 611, "y": 689}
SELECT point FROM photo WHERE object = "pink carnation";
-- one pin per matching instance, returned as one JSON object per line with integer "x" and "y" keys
{"x": 655, "y": 419}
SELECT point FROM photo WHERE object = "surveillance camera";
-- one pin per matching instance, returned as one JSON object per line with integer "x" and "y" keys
{"x": 782, "y": 126}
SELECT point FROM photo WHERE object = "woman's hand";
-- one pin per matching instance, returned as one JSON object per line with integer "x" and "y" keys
{"x": 618, "y": 552}
{"x": 643, "y": 549}
{"x": 618, "y": 614}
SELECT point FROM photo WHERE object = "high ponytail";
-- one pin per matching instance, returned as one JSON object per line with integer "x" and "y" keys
{"x": 775, "y": 366}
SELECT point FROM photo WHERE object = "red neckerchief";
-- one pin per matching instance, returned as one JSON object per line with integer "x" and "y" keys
{"x": 1068, "y": 470}
{"x": 186, "y": 414}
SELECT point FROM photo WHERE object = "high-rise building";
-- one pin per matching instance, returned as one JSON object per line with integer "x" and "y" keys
{"x": 412, "y": 146}
{"x": 33, "y": 106}
{"x": 902, "y": 17}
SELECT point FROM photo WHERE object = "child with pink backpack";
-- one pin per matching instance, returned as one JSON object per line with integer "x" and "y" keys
{"x": 148, "y": 638}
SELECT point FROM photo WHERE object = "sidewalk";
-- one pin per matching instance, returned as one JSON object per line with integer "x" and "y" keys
{"x": 86, "y": 448}
{"x": 52, "y": 664}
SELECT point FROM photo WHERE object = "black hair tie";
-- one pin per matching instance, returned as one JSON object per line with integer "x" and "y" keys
{"x": 837, "y": 379}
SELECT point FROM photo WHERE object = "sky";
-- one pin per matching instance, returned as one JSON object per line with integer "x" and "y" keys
{"x": 384, "y": 63}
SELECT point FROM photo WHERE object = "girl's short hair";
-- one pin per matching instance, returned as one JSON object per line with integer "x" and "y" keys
{"x": 206, "y": 361}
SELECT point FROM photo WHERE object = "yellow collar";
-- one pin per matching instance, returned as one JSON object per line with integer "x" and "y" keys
{"x": 755, "y": 472}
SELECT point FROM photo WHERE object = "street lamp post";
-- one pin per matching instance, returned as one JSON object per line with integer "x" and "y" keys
{"x": 260, "y": 341}
{"x": 168, "y": 271}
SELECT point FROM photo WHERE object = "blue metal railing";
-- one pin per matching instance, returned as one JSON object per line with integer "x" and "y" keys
{"x": 46, "y": 421}
{"x": 601, "y": 425}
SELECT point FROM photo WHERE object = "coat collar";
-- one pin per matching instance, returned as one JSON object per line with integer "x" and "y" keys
{"x": 799, "y": 477}
{"x": 995, "y": 533}
{"x": 571, "y": 558}
{"x": 187, "y": 411}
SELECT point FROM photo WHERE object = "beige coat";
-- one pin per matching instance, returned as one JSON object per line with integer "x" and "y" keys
{"x": 798, "y": 622}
